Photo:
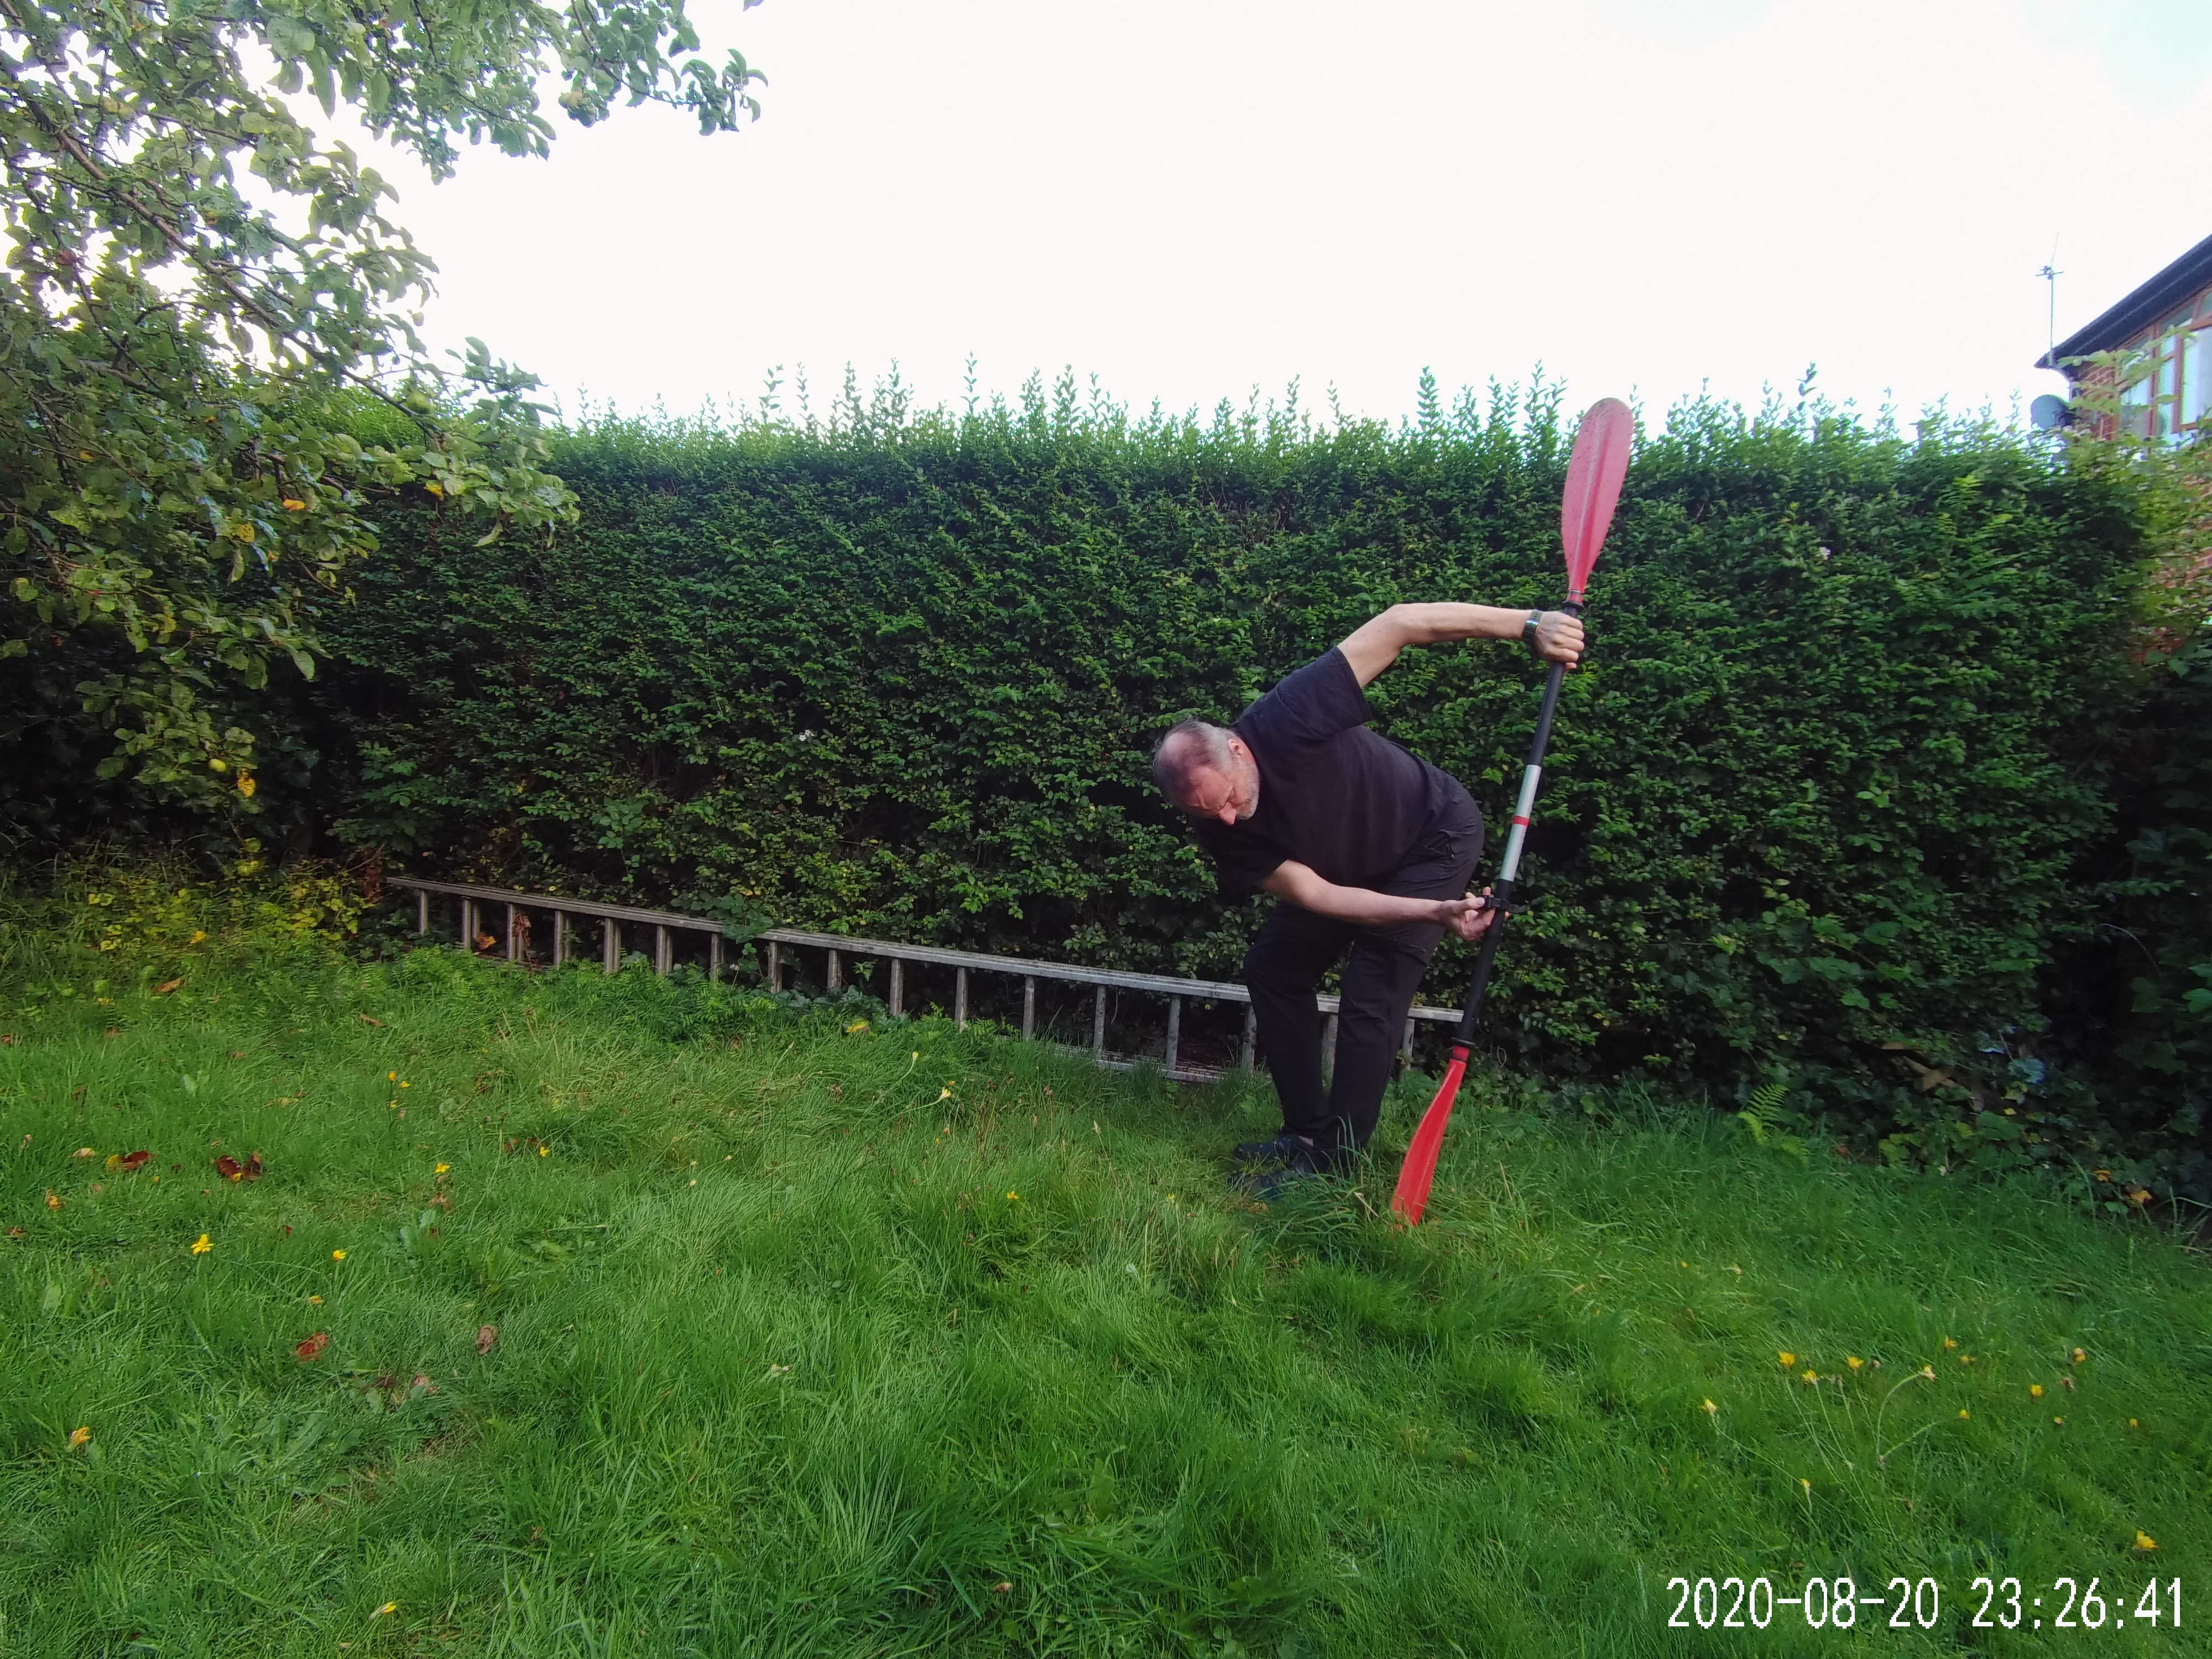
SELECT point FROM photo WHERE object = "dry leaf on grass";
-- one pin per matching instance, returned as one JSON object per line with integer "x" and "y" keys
{"x": 486, "y": 1335}
{"x": 230, "y": 1169}
{"x": 313, "y": 1347}
{"x": 169, "y": 985}
{"x": 367, "y": 1019}
{"x": 127, "y": 1162}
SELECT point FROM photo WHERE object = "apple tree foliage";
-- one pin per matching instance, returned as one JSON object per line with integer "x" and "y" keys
{"x": 210, "y": 368}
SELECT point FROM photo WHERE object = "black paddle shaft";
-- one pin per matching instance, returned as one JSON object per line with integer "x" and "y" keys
{"x": 1502, "y": 891}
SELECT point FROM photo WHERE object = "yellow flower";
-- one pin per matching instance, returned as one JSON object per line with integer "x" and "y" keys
{"x": 247, "y": 785}
{"x": 293, "y": 504}
{"x": 1013, "y": 1198}
{"x": 1711, "y": 1409}
{"x": 1950, "y": 1342}
{"x": 1964, "y": 1413}
{"x": 406, "y": 1085}
{"x": 79, "y": 1436}
{"x": 542, "y": 1150}
{"x": 441, "y": 1169}
{"x": 2133, "y": 1424}
{"x": 1928, "y": 1371}
{"x": 2060, "y": 1421}
{"x": 1787, "y": 1358}
{"x": 389, "y": 1606}
{"x": 2079, "y": 1356}
{"x": 392, "y": 1077}
{"x": 198, "y": 933}
{"x": 2144, "y": 1541}
{"x": 2035, "y": 1391}
{"x": 337, "y": 1256}
{"x": 858, "y": 1025}
{"x": 316, "y": 1300}
{"x": 1965, "y": 1359}
{"x": 1809, "y": 1378}
{"x": 202, "y": 1245}
{"x": 1854, "y": 1362}
{"x": 1805, "y": 1484}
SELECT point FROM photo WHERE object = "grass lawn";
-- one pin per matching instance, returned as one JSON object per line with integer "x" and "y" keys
{"x": 575, "y": 1317}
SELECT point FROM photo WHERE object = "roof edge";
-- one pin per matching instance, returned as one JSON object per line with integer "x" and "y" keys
{"x": 2190, "y": 272}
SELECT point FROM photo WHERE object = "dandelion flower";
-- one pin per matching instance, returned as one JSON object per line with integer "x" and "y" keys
{"x": 79, "y": 1435}
{"x": 1711, "y": 1409}
{"x": 1964, "y": 1414}
{"x": 1805, "y": 1486}
{"x": 542, "y": 1150}
{"x": 2079, "y": 1355}
{"x": 1854, "y": 1362}
{"x": 1965, "y": 1359}
{"x": 2060, "y": 1421}
{"x": 2133, "y": 1424}
{"x": 389, "y": 1606}
{"x": 1949, "y": 1343}
{"x": 337, "y": 1256}
{"x": 406, "y": 1085}
{"x": 1809, "y": 1378}
{"x": 392, "y": 1077}
{"x": 2145, "y": 1541}
{"x": 2035, "y": 1391}
{"x": 1013, "y": 1198}
{"x": 1787, "y": 1358}
{"x": 1928, "y": 1371}
{"x": 315, "y": 1301}
{"x": 202, "y": 1245}
{"x": 441, "y": 1169}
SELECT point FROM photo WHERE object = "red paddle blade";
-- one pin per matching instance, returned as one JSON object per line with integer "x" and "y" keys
{"x": 1594, "y": 476}
{"x": 1420, "y": 1169}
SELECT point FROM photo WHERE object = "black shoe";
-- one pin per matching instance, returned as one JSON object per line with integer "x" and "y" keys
{"x": 1281, "y": 1153}
{"x": 1307, "y": 1162}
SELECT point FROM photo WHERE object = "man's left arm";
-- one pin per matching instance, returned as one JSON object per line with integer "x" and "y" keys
{"x": 1375, "y": 645}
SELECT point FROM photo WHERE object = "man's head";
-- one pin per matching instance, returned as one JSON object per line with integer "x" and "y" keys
{"x": 1206, "y": 771}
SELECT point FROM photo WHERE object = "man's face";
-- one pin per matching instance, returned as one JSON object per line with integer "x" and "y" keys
{"x": 1230, "y": 794}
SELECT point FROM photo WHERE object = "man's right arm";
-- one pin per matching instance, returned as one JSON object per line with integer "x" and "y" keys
{"x": 1303, "y": 886}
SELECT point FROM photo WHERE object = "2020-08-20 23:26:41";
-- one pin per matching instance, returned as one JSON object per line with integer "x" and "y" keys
{"x": 1735, "y": 1603}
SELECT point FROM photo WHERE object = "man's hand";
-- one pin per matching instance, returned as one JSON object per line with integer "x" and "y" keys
{"x": 1470, "y": 917}
{"x": 1559, "y": 638}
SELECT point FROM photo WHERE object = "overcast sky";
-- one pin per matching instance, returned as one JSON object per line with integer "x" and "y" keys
{"x": 1191, "y": 198}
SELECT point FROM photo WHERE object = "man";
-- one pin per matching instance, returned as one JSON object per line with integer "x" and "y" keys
{"x": 1368, "y": 850}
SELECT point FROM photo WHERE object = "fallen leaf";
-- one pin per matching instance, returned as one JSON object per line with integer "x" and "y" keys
{"x": 84, "y": 1151}
{"x": 53, "y": 1200}
{"x": 367, "y": 1020}
{"x": 231, "y": 1170}
{"x": 113, "y": 1031}
{"x": 424, "y": 1383}
{"x": 167, "y": 986}
{"x": 238, "y": 1054}
{"x": 486, "y": 1335}
{"x": 79, "y": 1435}
{"x": 7, "y": 1039}
{"x": 314, "y": 1346}
{"x": 1002, "y": 1587}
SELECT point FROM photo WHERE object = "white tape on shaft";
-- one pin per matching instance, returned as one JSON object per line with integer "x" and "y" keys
{"x": 1522, "y": 810}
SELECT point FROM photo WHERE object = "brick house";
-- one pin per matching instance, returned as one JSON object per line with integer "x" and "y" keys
{"x": 2176, "y": 392}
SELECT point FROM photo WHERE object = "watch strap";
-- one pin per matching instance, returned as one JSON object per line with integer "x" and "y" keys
{"x": 1529, "y": 630}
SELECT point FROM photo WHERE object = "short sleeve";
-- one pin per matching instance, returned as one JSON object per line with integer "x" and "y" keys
{"x": 1309, "y": 705}
{"x": 1243, "y": 858}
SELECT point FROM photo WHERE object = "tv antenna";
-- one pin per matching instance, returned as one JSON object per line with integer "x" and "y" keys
{"x": 2050, "y": 273}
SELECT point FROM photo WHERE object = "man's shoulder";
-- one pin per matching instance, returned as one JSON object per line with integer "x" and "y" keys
{"x": 1309, "y": 704}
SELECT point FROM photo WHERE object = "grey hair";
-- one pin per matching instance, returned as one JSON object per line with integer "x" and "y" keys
{"x": 1188, "y": 748}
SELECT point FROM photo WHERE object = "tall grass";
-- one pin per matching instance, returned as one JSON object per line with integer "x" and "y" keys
{"x": 725, "y": 1328}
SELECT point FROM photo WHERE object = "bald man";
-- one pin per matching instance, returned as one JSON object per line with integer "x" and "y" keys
{"x": 1368, "y": 850}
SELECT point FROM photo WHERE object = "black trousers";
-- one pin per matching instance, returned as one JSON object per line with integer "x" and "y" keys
{"x": 1382, "y": 968}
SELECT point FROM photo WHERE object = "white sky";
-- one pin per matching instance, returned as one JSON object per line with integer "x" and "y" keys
{"x": 1190, "y": 197}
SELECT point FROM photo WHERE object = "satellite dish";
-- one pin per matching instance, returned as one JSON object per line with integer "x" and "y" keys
{"x": 2049, "y": 412}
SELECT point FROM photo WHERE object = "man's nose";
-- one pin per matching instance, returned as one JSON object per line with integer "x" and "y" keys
{"x": 1228, "y": 814}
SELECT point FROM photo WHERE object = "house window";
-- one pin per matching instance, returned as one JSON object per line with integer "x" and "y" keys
{"x": 2175, "y": 394}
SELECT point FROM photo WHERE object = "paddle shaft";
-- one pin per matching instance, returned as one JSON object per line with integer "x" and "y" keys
{"x": 1502, "y": 891}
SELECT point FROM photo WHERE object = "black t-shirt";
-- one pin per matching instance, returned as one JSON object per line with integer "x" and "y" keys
{"x": 1334, "y": 796}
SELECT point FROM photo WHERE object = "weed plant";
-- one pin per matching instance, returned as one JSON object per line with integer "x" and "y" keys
{"x": 570, "y": 1315}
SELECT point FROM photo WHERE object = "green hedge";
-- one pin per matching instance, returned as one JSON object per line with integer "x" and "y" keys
{"x": 1823, "y": 789}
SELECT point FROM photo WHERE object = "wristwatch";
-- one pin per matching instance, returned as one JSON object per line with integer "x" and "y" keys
{"x": 1529, "y": 630}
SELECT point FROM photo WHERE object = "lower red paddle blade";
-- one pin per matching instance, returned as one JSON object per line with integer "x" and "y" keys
{"x": 1419, "y": 1167}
